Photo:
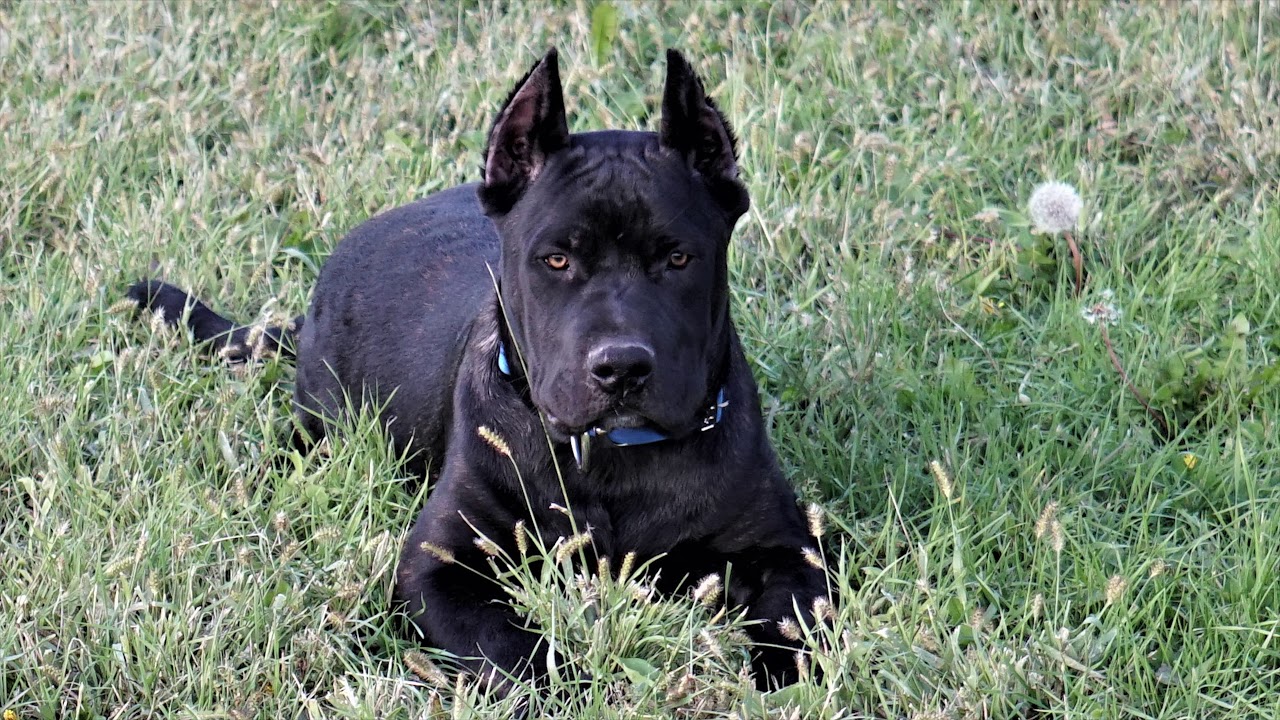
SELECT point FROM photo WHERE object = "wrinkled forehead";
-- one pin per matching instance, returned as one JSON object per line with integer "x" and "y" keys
{"x": 621, "y": 186}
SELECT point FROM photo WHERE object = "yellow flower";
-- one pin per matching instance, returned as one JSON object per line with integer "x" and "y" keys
{"x": 1190, "y": 460}
{"x": 10, "y": 715}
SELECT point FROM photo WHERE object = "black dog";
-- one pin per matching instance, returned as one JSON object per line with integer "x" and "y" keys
{"x": 604, "y": 367}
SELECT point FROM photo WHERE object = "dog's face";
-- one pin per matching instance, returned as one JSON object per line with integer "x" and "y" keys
{"x": 614, "y": 250}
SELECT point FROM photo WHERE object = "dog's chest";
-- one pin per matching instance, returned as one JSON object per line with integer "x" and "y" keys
{"x": 648, "y": 513}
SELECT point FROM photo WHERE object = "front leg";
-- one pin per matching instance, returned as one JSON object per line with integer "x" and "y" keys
{"x": 776, "y": 575}
{"x": 777, "y": 585}
{"x": 446, "y": 586}
{"x": 465, "y": 614}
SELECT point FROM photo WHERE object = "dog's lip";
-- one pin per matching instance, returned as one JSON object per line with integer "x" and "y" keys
{"x": 610, "y": 421}
{"x": 615, "y": 421}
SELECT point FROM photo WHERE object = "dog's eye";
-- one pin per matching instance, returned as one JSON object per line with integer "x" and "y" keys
{"x": 678, "y": 259}
{"x": 557, "y": 261}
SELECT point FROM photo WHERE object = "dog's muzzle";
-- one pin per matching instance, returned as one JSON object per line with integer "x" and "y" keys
{"x": 622, "y": 437}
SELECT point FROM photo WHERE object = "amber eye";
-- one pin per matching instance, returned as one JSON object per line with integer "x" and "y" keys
{"x": 678, "y": 259}
{"x": 558, "y": 261}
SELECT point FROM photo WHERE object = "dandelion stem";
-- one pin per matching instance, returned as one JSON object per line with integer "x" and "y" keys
{"x": 1115, "y": 361}
{"x": 1076, "y": 261}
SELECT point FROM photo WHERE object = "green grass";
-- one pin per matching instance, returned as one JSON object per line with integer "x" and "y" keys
{"x": 165, "y": 555}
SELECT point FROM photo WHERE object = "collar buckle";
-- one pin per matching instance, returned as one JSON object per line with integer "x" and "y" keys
{"x": 715, "y": 412}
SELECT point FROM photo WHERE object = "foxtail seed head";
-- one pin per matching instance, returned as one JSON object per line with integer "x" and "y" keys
{"x": 494, "y": 440}
{"x": 708, "y": 590}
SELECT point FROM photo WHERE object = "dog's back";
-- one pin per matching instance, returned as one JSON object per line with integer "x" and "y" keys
{"x": 389, "y": 313}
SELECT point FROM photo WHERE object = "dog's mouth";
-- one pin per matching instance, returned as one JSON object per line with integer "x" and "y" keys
{"x": 561, "y": 431}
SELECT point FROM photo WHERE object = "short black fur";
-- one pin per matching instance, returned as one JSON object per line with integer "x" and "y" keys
{"x": 599, "y": 262}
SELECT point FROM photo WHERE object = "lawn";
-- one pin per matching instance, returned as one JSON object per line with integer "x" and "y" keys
{"x": 1044, "y": 495}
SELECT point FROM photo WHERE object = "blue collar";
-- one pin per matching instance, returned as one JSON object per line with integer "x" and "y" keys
{"x": 621, "y": 437}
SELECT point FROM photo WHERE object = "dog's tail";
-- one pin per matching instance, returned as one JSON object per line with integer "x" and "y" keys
{"x": 236, "y": 343}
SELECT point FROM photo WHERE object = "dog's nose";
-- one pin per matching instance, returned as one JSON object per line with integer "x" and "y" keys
{"x": 620, "y": 367}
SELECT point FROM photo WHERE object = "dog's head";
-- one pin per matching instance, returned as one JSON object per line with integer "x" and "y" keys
{"x": 614, "y": 243}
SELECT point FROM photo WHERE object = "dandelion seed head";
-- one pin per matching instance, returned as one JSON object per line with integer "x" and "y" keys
{"x": 1055, "y": 207}
{"x": 1104, "y": 311}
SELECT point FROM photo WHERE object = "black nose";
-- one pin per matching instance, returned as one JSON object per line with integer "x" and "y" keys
{"x": 620, "y": 367}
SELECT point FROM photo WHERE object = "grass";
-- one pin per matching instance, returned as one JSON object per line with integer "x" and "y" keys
{"x": 1013, "y": 534}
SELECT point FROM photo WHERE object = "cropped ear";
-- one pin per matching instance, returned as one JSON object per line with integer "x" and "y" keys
{"x": 529, "y": 128}
{"x": 693, "y": 126}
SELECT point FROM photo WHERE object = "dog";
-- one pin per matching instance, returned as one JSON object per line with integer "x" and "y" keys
{"x": 555, "y": 342}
